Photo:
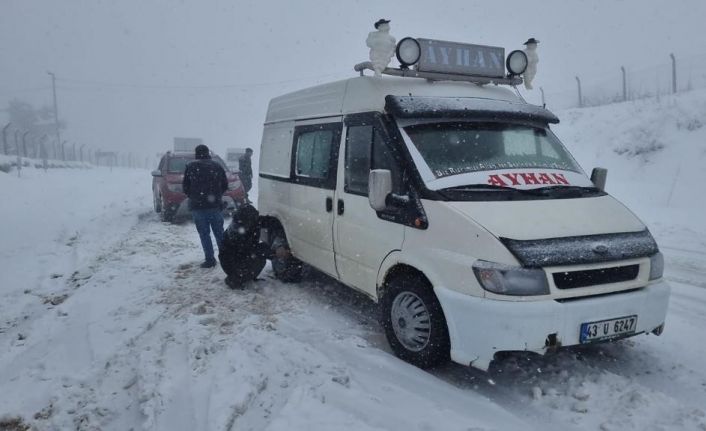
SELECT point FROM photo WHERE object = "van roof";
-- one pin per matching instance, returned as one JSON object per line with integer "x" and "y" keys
{"x": 367, "y": 93}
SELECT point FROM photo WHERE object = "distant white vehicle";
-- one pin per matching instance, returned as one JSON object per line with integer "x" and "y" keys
{"x": 232, "y": 158}
{"x": 186, "y": 145}
{"x": 455, "y": 206}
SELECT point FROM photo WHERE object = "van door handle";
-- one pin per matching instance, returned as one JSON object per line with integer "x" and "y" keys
{"x": 329, "y": 204}
{"x": 340, "y": 207}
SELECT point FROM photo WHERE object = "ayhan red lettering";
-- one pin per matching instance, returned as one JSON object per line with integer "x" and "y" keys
{"x": 527, "y": 179}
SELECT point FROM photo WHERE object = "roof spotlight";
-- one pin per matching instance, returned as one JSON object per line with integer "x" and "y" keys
{"x": 516, "y": 62}
{"x": 408, "y": 52}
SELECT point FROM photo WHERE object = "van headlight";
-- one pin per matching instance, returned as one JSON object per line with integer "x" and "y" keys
{"x": 656, "y": 266}
{"x": 175, "y": 187}
{"x": 510, "y": 280}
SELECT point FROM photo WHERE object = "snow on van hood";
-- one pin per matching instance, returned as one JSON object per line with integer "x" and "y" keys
{"x": 551, "y": 218}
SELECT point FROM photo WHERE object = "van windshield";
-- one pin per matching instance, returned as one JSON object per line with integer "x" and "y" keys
{"x": 452, "y": 148}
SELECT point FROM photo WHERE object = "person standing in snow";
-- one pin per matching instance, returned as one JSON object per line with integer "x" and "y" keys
{"x": 204, "y": 183}
{"x": 245, "y": 166}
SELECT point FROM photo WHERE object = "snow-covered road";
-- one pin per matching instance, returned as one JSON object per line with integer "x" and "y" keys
{"x": 120, "y": 329}
{"x": 108, "y": 323}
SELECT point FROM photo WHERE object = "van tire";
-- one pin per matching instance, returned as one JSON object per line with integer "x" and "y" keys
{"x": 429, "y": 345}
{"x": 286, "y": 267}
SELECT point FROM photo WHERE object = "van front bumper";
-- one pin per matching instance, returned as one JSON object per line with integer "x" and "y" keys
{"x": 480, "y": 327}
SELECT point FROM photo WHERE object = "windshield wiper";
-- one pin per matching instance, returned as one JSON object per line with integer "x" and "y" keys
{"x": 476, "y": 187}
{"x": 542, "y": 191}
{"x": 562, "y": 190}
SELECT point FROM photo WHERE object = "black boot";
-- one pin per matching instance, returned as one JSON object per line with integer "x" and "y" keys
{"x": 208, "y": 263}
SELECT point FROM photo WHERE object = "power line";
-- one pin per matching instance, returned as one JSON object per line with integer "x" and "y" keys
{"x": 92, "y": 83}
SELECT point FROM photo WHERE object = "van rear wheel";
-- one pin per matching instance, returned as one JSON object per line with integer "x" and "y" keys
{"x": 286, "y": 267}
{"x": 414, "y": 322}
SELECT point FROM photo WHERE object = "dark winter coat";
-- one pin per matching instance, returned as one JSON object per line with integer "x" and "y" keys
{"x": 204, "y": 183}
{"x": 245, "y": 167}
{"x": 241, "y": 253}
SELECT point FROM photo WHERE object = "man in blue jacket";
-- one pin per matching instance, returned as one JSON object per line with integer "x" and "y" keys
{"x": 204, "y": 183}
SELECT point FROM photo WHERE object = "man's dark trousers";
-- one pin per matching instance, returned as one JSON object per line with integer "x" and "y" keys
{"x": 205, "y": 220}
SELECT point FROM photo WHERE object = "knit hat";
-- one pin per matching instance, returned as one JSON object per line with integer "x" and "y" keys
{"x": 202, "y": 152}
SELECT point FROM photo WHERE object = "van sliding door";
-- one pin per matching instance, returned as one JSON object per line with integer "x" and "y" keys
{"x": 313, "y": 177}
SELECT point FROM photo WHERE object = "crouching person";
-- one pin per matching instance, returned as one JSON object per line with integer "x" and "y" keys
{"x": 242, "y": 255}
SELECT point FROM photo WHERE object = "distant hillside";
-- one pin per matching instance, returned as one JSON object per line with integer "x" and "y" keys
{"x": 654, "y": 149}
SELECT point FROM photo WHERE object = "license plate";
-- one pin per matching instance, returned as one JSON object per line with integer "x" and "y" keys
{"x": 607, "y": 329}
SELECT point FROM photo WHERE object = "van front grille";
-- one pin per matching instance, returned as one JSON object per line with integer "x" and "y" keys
{"x": 592, "y": 277}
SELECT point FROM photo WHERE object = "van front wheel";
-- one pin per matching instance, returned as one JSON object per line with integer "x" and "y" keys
{"x": 414, "y": 322}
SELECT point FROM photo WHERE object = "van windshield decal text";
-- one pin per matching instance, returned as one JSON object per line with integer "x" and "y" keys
{"x": 527, "y": 179}
{"x": 478, "y": 167}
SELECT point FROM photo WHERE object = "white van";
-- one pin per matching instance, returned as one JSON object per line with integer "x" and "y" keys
{"x": 455, "y": 207}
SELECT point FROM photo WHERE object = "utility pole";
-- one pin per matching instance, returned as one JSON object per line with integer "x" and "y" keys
{"x": 578, "y": 81}
{"x": 674, "y": 73}
{"x": 56, "y": 107}
{"x": 541, "y": 90}
{"x": 625, "y": 84}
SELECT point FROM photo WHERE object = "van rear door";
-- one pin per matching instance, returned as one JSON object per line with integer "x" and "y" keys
{"x": 313, "y": 177}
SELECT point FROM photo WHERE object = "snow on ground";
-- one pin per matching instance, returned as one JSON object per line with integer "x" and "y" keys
{"x": 107, "y": 322}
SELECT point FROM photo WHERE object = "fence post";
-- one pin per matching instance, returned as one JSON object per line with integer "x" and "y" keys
{"x": 4, "y": 137}
{"x": 17, "y": 143}
{"x": 674, "y": 73}
{"x": 44, "y": 151}
{"x": 63, "y": 151}
{"x": 578, "y": 82}
{"x": 24, "y": 143}
{"x": 625, "y": 86}
{"x": 19, "y": 153}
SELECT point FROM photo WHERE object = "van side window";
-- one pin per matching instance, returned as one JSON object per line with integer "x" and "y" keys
{"x": 358, "y": 142}
{"x": 361, "y": 143}
{"x": 315, "y": 155}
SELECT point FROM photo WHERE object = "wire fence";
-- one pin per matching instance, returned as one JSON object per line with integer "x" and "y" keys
{"x": 627, "y": 83}
{"x": 28, "y": 148}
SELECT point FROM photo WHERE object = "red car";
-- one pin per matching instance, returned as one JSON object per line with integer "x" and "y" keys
{"x": 169, "y": 198}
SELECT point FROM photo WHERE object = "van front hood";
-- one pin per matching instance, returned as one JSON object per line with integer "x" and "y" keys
{"x": 551, "y": 218}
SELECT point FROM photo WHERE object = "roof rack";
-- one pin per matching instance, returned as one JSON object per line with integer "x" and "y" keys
{"x": 435, "y": 76}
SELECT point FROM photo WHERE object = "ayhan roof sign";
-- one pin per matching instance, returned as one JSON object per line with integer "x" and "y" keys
{"x": 461, "y": 58}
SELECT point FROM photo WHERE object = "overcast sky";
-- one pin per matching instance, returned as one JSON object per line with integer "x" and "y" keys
{"x": 132, "y": 74}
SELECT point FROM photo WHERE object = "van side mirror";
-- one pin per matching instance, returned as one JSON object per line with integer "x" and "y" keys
{"x": 156, "y": 173}
{"x": 379, "y": 188}
{"x": 598, "y": 178}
